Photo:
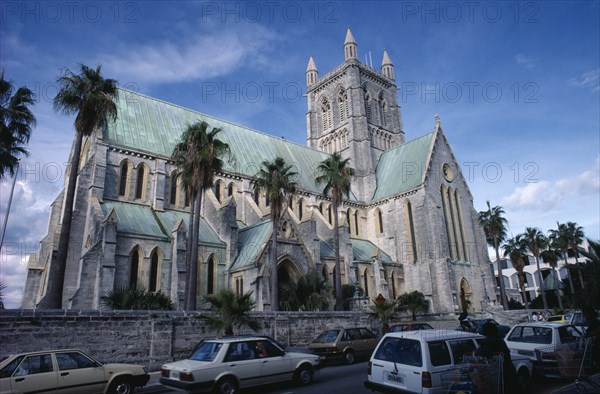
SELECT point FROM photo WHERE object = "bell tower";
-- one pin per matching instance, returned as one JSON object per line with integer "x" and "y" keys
{"x": 353, "y": 109}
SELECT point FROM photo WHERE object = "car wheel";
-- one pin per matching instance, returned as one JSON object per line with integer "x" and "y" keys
{"x": 121, "y": 386}
{"x": 225, "y": 386}
{"x": 523, "y": 379}
{"x": 304, "y": 375}
{"x": 349, "y": 357}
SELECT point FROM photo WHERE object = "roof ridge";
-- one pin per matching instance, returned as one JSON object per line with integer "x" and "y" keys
{"x": 218, "y": 119}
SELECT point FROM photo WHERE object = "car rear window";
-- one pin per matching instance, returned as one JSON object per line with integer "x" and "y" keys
{"x": 531, "y": 334}
{"x": 439, "y": 353}
{"x": 206, "y": 351}
{"x": 327, "y": 336}
{"x": 401, "y": 351}
{"x": 460, "y": 348}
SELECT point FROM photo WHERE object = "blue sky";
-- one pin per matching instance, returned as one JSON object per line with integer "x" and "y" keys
{"x": 516, "y": 85}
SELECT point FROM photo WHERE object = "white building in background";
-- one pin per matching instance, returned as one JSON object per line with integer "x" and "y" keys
{"x": 532, "y": 277}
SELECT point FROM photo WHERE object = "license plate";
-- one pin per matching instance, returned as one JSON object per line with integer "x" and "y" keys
{"x": 529, "y": 353}
{"x": 174, "y": 375}
{"x": 392, "y": 377}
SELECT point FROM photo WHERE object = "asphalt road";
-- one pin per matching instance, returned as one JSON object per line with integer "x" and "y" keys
{"x": 345, "y": 379}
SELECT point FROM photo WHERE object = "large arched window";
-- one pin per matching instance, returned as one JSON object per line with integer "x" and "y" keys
{"x": 410, "y": 232}
{"x": 461, "y": 230}
{"x": 140, "y": 181}
{"x": 123, "y": 178}
{"x": 218, "y": 185}
{"x": 382, "y": 110}
{"x": 210, "y": 275}
{"x": 366, "y": 281}
{"x": 343, "y": 106}
{"x": 134, "y": 266}
{"x": 379, "y": 221}
{"x": 326, "y": 115}
{"x": 173, "y": 189}
{"x": 154, "y": 279}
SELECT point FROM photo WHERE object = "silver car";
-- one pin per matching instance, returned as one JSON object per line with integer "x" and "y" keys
{"x": 222, "y": 365}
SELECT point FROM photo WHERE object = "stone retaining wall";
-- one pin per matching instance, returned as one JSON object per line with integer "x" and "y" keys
{"x": 154, "y": 337}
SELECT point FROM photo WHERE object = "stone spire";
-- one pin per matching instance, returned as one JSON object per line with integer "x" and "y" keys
{"x": 312, "y": 75}
{"x": 350, "y": 47}
{"x": 387, "y": 68}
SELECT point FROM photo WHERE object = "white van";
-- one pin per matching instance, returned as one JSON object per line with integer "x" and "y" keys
{"x": 420, "y": 358}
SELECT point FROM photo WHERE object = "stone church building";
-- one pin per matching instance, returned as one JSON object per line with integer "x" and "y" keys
{"x": 408, "y": 224}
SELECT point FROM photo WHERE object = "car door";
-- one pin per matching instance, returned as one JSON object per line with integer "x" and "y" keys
{"x": 368, "y": 342}
{"x": 441, "y": 362}
{"x": 36, "y": 373}
{"x": 276, "y": 364}
{"x": 242, "y": 359}
{"x": 78, "y": 374}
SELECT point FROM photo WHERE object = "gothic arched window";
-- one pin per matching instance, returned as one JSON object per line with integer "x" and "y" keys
{"x": 134, "y": 265}
{"x": 140, "y": 181}
{"x": 368, "y": 106}
{"x": 326, "y": 115}
{"x": 154, "y": 282}
{"x": 410, "y": 232}
{"x": 343, "y": 106}
{"x": 173, "y": 189}
{"x": 124, "y": 178}
{"x": 210, "y": 275}
{"x": 379, "y": 217}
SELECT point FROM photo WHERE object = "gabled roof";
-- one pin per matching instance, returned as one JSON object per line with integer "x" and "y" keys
{"x": 207, "y": 235}
{"x": 137, "y": 219}
{"x": 403, "y": 168}
{"x": 363, "y": 250}
{"x": 251, "y": 242}
{"x": 150, "y": 125}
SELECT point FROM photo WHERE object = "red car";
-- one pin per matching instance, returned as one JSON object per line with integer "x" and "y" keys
{"x": 409, "y": 327}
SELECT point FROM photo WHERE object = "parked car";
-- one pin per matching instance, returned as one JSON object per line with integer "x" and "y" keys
{"x": 68, "y": 371}
{"x": 224, "y": 365}
{"x": 537, "y": 340}
{"x": 409, "y": 327}
{"x": 415, "y": 361}
{"x": 344, "y": 344}
{"x": 560, "y": 319}
{"x": 476, "y": 326}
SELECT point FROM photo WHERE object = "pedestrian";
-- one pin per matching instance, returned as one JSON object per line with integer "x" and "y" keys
{"x": 592, "y": 333}
{"x": 541, "y": 316}
{"x": 534, "y": 316}
{"x": 494, "y": 345}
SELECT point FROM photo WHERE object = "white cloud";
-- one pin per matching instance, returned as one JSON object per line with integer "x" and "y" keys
{"x": 589, "y": 79}
{"x": 544, "y": 195}
{"x": 526, "y": 61}
{"x": 198, "y": 56}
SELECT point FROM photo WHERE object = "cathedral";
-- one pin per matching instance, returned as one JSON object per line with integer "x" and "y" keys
{"x": 408, "y": 223}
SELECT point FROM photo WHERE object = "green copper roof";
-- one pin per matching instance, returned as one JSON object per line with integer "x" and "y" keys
{"x": 365, "y": 250}
{"x": 154, "y": 126}
{"x": 403, "y": 168}
{"x": 326, "y": 250}
{"x": 134, "y": 218}
{"x": 206, "y": 234}
{"x": 251, "y": 242}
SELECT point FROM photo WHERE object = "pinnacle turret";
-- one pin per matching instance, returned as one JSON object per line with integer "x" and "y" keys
{"x": 312, "y": 75}
{"x": 387, "y": 68}
{"x": 350, "y": 46}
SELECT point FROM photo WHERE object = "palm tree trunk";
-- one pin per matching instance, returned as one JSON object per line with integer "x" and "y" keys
{"x": 502, "y": 290}
{"x": 523, "y": 292}
{"x": 579, "y": 270}
{"x": 273, "y": 271}
{"x": 193, "y": 273}
{"x": 537, "y": 261}
{"x": 556, "y": 288}
{"x": 188, "y": 253}
{"x": 569, "y": 274}
{"x": 56, "y": 274}
{"x": 339, "y": 301}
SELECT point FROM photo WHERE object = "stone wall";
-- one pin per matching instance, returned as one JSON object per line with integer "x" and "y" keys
{"x": 154, "y": 337}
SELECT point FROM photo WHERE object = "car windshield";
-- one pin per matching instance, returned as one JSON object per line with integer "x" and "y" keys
{"x": 401, "y": 351}
{"x": 206, "y": 351}
{"x": 327, "y": 336}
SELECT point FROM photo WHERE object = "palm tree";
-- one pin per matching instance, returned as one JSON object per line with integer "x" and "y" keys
{"x": 515, "y": 249}
{"x": 230, "y": 310}
{"x": 575, "y": 237}
{"x": 276, "y": 180}
{"x": 494, "y": 226}
{"x": 92, "y": 97}
{"x": 336, "y": 174}
{"x": 550, "y": 257}
{"x": 535, "y": 241}
{"x": 414, "y": 302}
{"x": 16, "y": 122}
{"x": 136, "y": 298}
{"x": 591, "y": 293}
{"x": 198, "y": 157}
{"x": 560, "y": 239}
{"x": 385, "y": 312}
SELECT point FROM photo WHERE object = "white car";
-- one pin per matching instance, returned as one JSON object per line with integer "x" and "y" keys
{"x": 223, "y": 365}
{"x": 68, "y": 371}
{"x": 418, "y": 361}
{"x": 537, "y": 340}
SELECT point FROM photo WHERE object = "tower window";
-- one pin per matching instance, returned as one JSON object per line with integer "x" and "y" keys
{"x": 326, "y": 115}
{"x": 368, "y": 107}
{"x": 343, "y": 106}
{"x": 140, "y": 182}
{"x": 123, "y": 179}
